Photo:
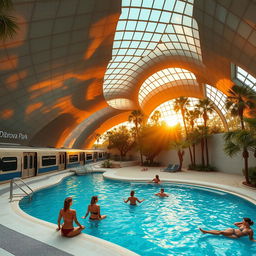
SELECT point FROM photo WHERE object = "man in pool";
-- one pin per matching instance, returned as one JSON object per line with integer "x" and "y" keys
{"x": 244, "y": 229}
{"x": 133, "y": 199}
{"x": 161, "y": 193}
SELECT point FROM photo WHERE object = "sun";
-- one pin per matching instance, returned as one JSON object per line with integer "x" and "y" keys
{"x": 171, "y": 120}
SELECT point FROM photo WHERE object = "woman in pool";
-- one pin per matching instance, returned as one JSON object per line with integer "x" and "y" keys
{"x": 69, "y": 216}
{"x": 162, "y": 193}
{"x": 94, "y": 210}
{"x": 244, "y": 229}
{"x": 156, "y": 179}
{"x": 133, "y": 199}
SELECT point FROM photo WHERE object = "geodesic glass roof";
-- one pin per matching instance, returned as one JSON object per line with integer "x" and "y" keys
{"x": 164, "y": 79}
{"x": 147, "y": 30}
{"x": 245, "y": 78}
{"x": 217, "y": 97}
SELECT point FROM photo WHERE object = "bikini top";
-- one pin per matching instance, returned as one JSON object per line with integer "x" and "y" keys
{"x": 242, "y": 230}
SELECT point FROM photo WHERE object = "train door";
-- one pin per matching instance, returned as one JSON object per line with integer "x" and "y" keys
{"x": 82, "y": 158}
{"x": 62, "y": 161}
{"x": 29, "y": 164}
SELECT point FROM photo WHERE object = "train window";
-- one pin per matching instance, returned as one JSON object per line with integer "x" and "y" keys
{"x": 88, "y": 156}
{"x": 48, "y": 160}
{"x": 8, "y": 164}
{"x": 60, "y": 159}
{"x": 25, "y": 162}
{"x": 73, "y": 158}
{"x": 100, "y": 155}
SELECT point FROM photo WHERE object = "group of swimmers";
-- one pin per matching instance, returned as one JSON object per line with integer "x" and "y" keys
{"x": 69, "y": 216}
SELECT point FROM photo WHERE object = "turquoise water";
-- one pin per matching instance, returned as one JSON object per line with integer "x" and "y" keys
{"x": 156, "y": 227}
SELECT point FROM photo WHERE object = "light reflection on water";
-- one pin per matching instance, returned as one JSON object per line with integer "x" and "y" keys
{"x": 156, "y": 227}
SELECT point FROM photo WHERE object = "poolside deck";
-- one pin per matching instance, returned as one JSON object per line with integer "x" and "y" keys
{"x": 20, "y": 227}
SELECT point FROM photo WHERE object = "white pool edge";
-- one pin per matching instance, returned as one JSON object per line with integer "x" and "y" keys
{"x": 237, "y": 191}
{"x": 45, "y": 232}
{"x": 94, "y": 246}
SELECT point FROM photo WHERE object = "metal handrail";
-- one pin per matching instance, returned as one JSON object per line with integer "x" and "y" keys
{"x": 14, "y": 181}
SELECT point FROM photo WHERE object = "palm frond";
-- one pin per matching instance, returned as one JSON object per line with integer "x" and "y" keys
{"x": 8, "y": 26}
{"x": 5, "y": 4}
{"x": 231, "y": 149}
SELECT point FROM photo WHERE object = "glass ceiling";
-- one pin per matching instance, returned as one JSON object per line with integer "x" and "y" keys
{"x": 217, "y": 97}
{"x": 245, "y": 78}
{"x": 173, "y": 118}
{"x": 147, "y": 30}
{"x": 164, "y": 79}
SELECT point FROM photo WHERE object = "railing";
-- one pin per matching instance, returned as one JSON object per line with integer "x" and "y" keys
{"x": 13, "y": 182}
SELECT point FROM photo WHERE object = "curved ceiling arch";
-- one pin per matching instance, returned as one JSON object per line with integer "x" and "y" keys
{"x": 164, "y": 79}
{"x": 147, "y": 30}
{"x": 103, "y": 127}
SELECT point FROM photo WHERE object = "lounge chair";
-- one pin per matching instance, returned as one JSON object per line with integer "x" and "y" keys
{"x": 171, "y": 168}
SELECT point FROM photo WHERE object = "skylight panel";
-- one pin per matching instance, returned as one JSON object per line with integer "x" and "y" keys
{"x": 179, "y": 7}
{"x": 134, "y": 13}
{"x": 148, "y": 3}
{"x": 245, "y": 78}
{"x": 165, "y": 17}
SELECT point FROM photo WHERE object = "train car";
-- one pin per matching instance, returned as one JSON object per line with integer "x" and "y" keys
{"x": 27, "y": 162}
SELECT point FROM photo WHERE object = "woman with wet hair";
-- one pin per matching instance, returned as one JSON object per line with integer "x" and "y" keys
{"x": 69, "y": 216}
{"x": 94, "y": 210}
{"x": 244, "y": 229}
{"x": 156, "y": 179}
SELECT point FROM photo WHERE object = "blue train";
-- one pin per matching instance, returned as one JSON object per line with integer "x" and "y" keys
{"x": 27, "y": 162}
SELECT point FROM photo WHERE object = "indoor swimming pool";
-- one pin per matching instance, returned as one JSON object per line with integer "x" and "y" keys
{"x": 156, "y": 227}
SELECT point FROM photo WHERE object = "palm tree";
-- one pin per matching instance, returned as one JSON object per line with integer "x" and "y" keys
{"x": 205, "y": 106}
{"x": 97, "y": 138}
{"x": 8, "y": 25}
{"x": 180, "y": 104}
{"x": 137, "y": 118}
{"x": 155, "y": 117}
{"x": 237, "y": 141}
{"x": 191, "y": 116}
{"x": 240, "y": 98}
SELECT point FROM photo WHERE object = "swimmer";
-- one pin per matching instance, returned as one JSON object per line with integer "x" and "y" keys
{"x": 69, "y": 216}
{"x": 161, "y": 193}
{"x": 244, "y": 229}
{"x": 94, "y": 210}
{"x": 133, "y": 199}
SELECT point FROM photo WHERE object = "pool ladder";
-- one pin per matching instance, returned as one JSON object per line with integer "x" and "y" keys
{"x": 15, "y": 181}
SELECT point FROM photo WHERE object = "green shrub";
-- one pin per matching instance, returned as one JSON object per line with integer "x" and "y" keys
{"x": 106, "y": 164}
{"x": 201, "y": 168}
{"x": 154, "y": 164}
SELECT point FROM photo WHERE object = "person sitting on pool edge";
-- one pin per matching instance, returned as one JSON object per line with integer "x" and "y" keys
{"x": 156, "y": 179}
{"x": 133, "y": 199}
{"x": 68, "y": 216}
{"x": 243, "y": 230}
{"x": 161, "y": 193}
{"x": 94, "y": 210}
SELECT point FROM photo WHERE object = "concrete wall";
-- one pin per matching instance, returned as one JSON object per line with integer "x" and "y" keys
{"x": 217, "y": 156}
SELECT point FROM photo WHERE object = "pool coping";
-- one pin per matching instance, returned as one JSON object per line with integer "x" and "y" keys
{"x": 245, "y": 193}
{"x": 94, "y": 246}
{"x": 44, "y": 231}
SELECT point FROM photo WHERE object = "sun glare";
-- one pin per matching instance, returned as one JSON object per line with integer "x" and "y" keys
{"x": 171, "y": 121}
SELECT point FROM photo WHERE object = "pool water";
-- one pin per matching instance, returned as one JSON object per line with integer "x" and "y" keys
{"x": 156, "y": 227}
